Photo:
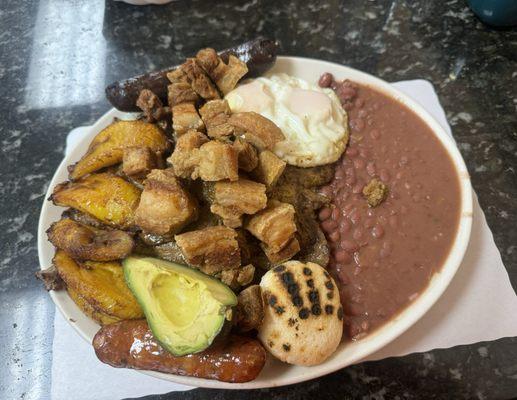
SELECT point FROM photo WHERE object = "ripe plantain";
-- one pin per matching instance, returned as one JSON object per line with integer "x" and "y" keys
{"x": 89, "y": 310}
{"x": 85, "y": 242}
{"x": 99, "y": 284}
{"x": 108, "y": 146}
{"x": 104, "y": 196}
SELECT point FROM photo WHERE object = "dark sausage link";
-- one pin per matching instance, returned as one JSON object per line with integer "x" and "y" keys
{"x": 131, "y": 344}
{"x": 258, "y": 54}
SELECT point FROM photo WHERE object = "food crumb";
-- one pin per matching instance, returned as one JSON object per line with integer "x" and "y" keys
{"x": 375, "y": 192}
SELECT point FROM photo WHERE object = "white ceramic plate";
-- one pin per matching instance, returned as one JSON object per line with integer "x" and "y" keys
{"x": 276, "y": 373}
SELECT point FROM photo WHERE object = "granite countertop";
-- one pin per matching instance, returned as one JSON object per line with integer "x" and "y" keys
{"x": 56, "y": 56}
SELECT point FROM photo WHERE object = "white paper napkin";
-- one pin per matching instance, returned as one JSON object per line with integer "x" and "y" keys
{"x": 480, "y": 296}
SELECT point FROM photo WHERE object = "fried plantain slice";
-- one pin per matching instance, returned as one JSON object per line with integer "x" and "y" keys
{"x": 108, "y": 146}
{"x": 105, "y": 196}
{"x": 84, "y": 242}
{"x": 89, "y": 310}
{"x": 101, "y": 285}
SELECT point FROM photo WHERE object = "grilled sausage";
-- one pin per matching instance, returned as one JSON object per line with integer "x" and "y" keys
{"x": 131, "y": 344}
{"x": 259, "y": 55}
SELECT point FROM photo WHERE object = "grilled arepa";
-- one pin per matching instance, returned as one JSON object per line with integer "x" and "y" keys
{"x": 303, "y": 317}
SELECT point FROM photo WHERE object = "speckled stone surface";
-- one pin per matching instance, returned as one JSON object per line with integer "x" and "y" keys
{"x": 56, "y": 56}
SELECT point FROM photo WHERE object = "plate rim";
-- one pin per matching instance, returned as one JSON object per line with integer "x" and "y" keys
{"x": 395, "y": 327}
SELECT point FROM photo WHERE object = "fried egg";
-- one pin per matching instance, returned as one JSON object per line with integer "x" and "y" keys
{"x": 314, "y": 123}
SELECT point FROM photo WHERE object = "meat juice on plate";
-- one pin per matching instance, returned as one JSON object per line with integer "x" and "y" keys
{"x": 384, "y": 256}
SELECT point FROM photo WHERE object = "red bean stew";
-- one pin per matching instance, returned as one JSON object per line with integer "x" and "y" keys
{"x": 384, "y": 256}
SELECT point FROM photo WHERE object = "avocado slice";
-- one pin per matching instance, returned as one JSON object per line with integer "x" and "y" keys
{"x": 185, "y": 308}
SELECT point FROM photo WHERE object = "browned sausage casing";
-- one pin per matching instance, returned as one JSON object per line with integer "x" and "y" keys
{"x": 131, "y": 344}
{"x": 258, "y": 54}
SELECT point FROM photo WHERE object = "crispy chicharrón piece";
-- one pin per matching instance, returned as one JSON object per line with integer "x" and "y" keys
{"x": 197, "y": 157}
{"x": 218, "y": 161}
{"x": 285, "y": 253}
{"x": 199, "y": 80}
{"x": 152, "y": 106}
{"x": 100, "y": 284}
{"x": 233, "y": 199}
{"x": 215, "y": 115}
{"x": 177, "y": 75}
{"x": 274, "y": 226}
{"x": 225, "y": 76}
{"x": 137, "y": 162}
{"x": 270, "y": 168}
{"x": 247, "y": 155}
{"x": 105, "y": 196}
{"x": 83, "y": 242}
{"x": 212, "y": 250}
{"x": 185, "y": 157}
{"x": 239, "y": 277}
{"x": 181, "y": 92}
{"x": 165, "y": 206}
{"x": 375, "y": 192}
{"x": 256, "y": 129}
{"x": 107, "y": 148}
{"x": 185, "y": 117}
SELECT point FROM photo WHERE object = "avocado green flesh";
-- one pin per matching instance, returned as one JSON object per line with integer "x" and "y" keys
{"x": 185, "y": 308}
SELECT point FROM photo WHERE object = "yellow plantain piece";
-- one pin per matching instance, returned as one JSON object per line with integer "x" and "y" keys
{"x": 84, "y": 242}
{"x": 108, "y": 146}
{"x": 89, "y": 310}
{"x": 105, "y": 196}
{"x": 100, "y": 284}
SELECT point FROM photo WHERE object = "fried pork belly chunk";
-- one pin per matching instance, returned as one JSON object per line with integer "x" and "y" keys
{"x": 199, "y": 80}
{"x": 181, "y": 92}
{"x": 375, "y": 192}
{"x": 185, "y": 118}
{"x": 137, "y": 162}
{"x": 83, "y": 242}
{"x": 284, "y": 254}
{"x": 256, "y": 129}
{"x": 152, "y": 106}
{"x": 233, "y": 199}
{"x": 218, "y": 161}
{"x": 274, "y": 226}
{"x": 177, "y": 76}
{"x": 185, "y": 157}
{"x": 303, "y": 317}
{"x": 250, "y": 309}
{"x": 212, "y": 250}
{"x": 239, "y": 277}
{"x": 165, "y": 207}
{"x": 269, "y": 168}
{"x": 247, "y": 155}
{"x": 225, "y": 76}
{"x": 208, "y": 59}
{"x": 215, "y": 114}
